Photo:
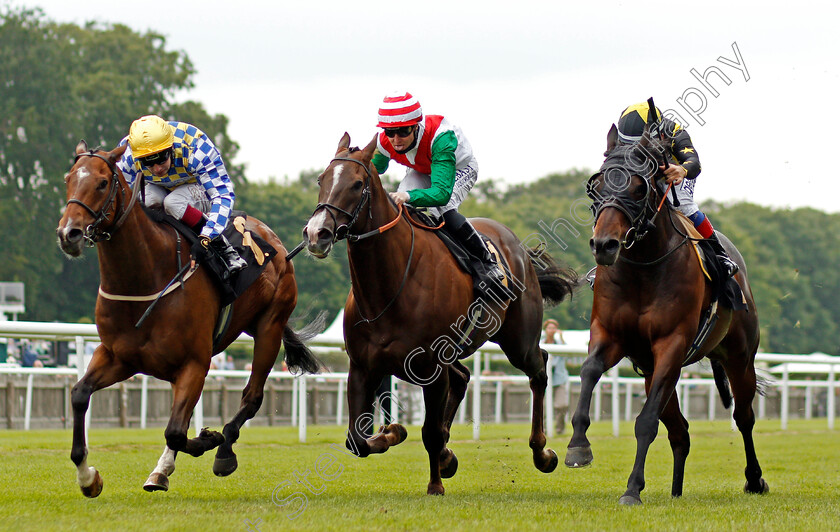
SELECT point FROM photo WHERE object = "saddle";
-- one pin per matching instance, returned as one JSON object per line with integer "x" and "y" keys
{"x": 466, "y": 261}
{"x": 254, "y": 250}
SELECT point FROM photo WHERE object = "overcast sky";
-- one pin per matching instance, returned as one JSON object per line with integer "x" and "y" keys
{"x": 534, "y": 85}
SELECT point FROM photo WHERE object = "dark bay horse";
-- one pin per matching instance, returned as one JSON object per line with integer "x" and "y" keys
{"x": 138, "y": 257}
{"x": 649, "y": 296}
{"x": 410, "y": 304}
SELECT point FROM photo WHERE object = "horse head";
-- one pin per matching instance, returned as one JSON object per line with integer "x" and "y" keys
{"x": 624, "y": 194}
{"x": 344, "y": 191}
{"x": 93, "y": 201}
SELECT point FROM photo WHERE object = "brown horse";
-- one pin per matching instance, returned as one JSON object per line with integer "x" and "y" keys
{"x": 649, "y": 296}
{"x": 410, "y": 304}
{"x": 175, "y": 343}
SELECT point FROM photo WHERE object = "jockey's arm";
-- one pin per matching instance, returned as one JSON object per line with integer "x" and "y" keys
{"x": 442, "y": 176}
{"x": 685, "y": 154}
{"x": 380, "y": 162}
{"x": 126, "y": 163}
{"x": 207, "y": 165}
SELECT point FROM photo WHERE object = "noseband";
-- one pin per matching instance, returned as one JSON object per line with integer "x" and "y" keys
{"x": 343, "y": 231}
{"x": 641, "y": 213}
{"x": 93, "y": 232}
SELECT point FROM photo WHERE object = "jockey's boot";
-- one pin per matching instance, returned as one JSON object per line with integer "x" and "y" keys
{"x": 231, "y": 259}
{"x": 489, "y": 272}
{"x": 723, "y": 257}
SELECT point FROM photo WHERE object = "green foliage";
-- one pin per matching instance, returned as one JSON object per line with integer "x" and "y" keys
{"x": 63, "y": 82}
{"x": 60, "y": 83}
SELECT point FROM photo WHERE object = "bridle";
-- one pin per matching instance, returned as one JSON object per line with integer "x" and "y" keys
{"x": 641, "y": 213}
{"x": 343, "y": 231}
{"x": 93, "y": 232}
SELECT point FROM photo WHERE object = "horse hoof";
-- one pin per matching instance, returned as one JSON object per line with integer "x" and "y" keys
{"x": 762, "y": 488}
{"x": 400, "y": 431}
{"x": 157, "y": 482}
{"x": 450, "y": 469}
{"x": 579, "y": 456}
{"x": 629, "y": 500}
{"x": 95, "y": 487}
{"x": 550, "y": 464}
{"x": 435, "y": 489}
{"x": 223, "y": 467}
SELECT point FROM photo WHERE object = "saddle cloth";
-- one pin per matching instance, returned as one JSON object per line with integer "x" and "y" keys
{"x": 729, "y": 292}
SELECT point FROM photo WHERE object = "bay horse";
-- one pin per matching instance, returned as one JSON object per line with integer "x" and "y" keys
{"x": 650, "y": 293}
{"x": 409, "y": 299}
{"x": 175, "y": 343}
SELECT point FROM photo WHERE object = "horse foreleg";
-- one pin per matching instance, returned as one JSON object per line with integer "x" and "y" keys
{"x": 185, "y": 394}
{"x": 103, "y": 371}
{"x": 743, "y": 386}
{"x": 266, "y": 348}
{"x": 602, "y": 356}
{"x": 361, "y": 387}
{"x": 660, "y": 387}
{"x": 678, "y": 436}
{"x": 459, "y": 378}
{"x": 159, "y": 479}
{"x": 435, "y": 396}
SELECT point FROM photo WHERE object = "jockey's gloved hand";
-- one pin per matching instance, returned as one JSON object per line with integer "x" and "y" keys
{"x": 201, "y": 249}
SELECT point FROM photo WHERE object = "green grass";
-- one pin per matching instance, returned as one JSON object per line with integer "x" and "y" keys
{"x": 496, "y": 488}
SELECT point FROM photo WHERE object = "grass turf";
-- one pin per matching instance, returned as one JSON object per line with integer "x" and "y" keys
{"x": 496, "y": 487}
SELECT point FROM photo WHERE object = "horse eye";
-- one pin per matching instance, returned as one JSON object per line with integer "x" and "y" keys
{"x": 102, "y": 184}
{"x": 357, "y": 185}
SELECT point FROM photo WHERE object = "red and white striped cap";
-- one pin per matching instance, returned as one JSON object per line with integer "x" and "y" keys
{"x": 399, "y": 109}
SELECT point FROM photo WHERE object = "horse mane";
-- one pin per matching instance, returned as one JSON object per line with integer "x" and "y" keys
{"x": 354, "y": 149}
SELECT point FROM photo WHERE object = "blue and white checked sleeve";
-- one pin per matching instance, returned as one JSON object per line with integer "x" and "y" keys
{"x": 126, "y": 163}
{"x": 207, "y": 166}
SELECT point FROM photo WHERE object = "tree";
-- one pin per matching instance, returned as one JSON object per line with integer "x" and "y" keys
{"x": 61, "y": 83}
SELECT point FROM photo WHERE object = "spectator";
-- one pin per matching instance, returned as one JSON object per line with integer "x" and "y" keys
{"x": 560, "y": 376}
{"x": 28, "y": 355}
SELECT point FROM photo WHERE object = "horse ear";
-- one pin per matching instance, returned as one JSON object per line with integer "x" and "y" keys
{"x": 367, "y": 153}
{"x": 117, "y": 152}
{"x": 81, "y": 147}
{"x": 344, "y": 143}
{"x": 612, "y": 138}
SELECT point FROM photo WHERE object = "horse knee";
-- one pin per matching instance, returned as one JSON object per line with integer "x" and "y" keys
{"x": 175, "y": 439}
{"x": 80, "y": 396}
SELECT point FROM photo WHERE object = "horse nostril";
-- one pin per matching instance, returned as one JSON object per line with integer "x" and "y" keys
{"x": 324, "y": 234}
{"x": 592, "y": 246}
{"x": 73, "y": 235}
{"x": 611, "y": 246}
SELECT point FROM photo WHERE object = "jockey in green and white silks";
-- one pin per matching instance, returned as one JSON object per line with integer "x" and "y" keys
{"x": 441, "y": 171}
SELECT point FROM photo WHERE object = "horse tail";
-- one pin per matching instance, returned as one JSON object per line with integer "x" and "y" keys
{"x": 298, "y": 356}
{"x": 722, "y": 383}
{"x": 555, "y": 281}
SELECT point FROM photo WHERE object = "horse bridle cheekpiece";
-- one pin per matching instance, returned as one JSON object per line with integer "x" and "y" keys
{"x": 343, "y": 231}
{"x": 93, "y": 233}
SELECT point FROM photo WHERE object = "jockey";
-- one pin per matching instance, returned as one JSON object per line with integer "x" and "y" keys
{"x": 441, "y": 171}
{"x": 183, "y": 172}
{"x": 682, "y": 173}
